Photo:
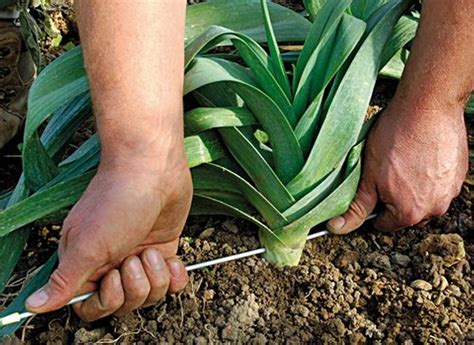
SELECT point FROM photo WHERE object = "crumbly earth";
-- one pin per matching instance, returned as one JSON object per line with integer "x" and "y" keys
{"x": 413, "y": 286}
{"x": 408, "y": 287}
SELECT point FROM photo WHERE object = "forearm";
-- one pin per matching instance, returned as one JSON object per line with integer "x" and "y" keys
{"x": 440, "y": 71}
{"x": 134, "y": 57}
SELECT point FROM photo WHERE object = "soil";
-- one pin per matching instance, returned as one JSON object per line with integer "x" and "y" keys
{"x": 412, "y": 286}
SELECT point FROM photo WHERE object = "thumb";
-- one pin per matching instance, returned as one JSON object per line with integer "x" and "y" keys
{"x": 70, "y": 276}
{"x": 363, "y": 204}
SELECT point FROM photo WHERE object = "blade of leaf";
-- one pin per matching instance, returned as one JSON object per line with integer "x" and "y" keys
{"x": 286, "y": 150}
{"x": 252, "y": 54}
{"x": 346, "y": 114}
{"x": 42, "y": 203}
{"x": 329, "y": 13}
{"x": 289, "y": 26}
{"x": 363, "y": 9}
{"x": 313, "y": 7}
{"x": 204, "y": 205}
{"x": 275, "y": 58}
{"x": 333, "y": 205}
{"x": 209, "y": 172}
{"x": 59, "y": 83}
{"x": 256, "y": 167}
{"x": 335, "y": 48}
{"x": 18, "y": 304}
{"x": 203, "y": 148}
{"x": 202, "y": 119}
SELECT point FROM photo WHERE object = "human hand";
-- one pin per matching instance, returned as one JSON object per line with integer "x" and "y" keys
{"x": 415, "y": 163}
{"x": 121, "y": 239}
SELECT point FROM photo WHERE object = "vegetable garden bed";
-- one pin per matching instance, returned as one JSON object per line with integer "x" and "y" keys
{"x": 360, "y": 287}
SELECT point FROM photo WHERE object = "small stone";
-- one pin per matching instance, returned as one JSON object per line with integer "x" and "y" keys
{"x": 302, "y": 310}
{"x": 444, "y": 284}
{"x": 383, "y": 262}
{"x": 400, "y": 259}
{"x": 421, "y": 284}
{"x": 445, "y": 320}
{"x": 449, "y": 247}
{"x": 260, "y": 339}
{"x": 439, "y": 300}
{"x": 85, "y": 336}
{"x": 346, "y": 258}
{"x": 339, "y": 328}
{"x": 209, "y": 294}
{"x": 455, "y": 290}
{"x": 456, "y": 329}
{"x": 230, "y": 226}
{"x": 386, "y": 241}
{"x": 206, "y": 233}
{"x": 200, "y": 341}
{"x": 436, "y": 280}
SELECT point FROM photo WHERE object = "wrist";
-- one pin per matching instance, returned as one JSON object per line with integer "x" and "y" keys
{"x": 141, "y": 135}
{"x": 164, "y": 153}
{"x": 425, "y": 103}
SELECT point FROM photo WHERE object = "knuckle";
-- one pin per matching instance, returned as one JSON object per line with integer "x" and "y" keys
{"x": 138, "y": 292}
{"x": 410, "y": 216}
{"x": 357, "y": 209}
{"x": 113, "y": 304}
{"x": 180, "y": 284}
{"x": 457, "y": 190}
{"x": 161, "y": 281}
{"x": 88, "y": 317}
{"x": 441, "y": 209}
{"x": 58, "y": 282}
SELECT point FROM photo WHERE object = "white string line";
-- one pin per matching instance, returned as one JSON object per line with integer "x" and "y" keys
{"x": 17, "y": 317}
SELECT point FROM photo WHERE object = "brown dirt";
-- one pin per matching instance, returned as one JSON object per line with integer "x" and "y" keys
{"x": 414, "y": 286}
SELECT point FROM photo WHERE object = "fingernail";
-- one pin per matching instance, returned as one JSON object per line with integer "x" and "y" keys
{"x": 176, "y": 268}
{"x": 38, "y": 299}
{"x": 154, "y": 260}
{"x": 135, "y": 267}
{"x": 337, "y": 223}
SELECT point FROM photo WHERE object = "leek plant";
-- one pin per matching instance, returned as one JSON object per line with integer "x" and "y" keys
{"x": 306, "y": 167}
{"x": 277, "y": 145}
{"x": 58, "y": 105}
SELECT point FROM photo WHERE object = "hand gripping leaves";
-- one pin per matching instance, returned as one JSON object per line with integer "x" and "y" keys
{"x": 301, "y": 169}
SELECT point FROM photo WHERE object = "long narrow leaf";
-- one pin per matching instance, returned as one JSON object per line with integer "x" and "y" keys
{"x": 257, "y": 168}
{"x": 250, "y": 51}
{"x": 209, "y": 172}
{"x": 286, "y": 150}
{"x": 58, "y": 84}
{"x": 204, "y": 205}
{"x": 203, "y": 148}
{"x": 201, "y": 119}
{"x": 346, "y": 113}
{"x": 42, "y": 203}
{"x": 276, "y": 61}
{"x": 289, "y": 26}
{"x": 18, "y": 304}
{"x": 329, "y": 13}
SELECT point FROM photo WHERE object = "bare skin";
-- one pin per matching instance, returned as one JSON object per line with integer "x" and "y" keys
{"x": 416, "y": 157}
{"x": 121, "y": 237}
